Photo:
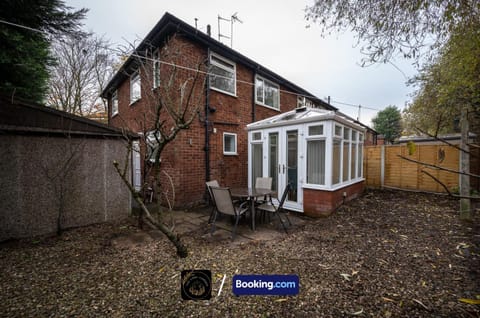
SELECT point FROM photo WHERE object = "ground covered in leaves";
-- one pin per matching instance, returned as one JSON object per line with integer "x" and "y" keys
{"x": 387, "y": 254}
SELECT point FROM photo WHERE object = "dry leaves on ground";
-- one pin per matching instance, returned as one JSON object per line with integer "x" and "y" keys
{"x": 387, "y": 254}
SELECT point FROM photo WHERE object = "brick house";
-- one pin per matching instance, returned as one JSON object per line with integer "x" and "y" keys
{"x": 238, "y": 91}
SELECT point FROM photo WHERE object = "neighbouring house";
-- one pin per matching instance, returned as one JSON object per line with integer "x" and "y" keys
{"x": 238, "y": 91}
{"x": 56, "y": 171}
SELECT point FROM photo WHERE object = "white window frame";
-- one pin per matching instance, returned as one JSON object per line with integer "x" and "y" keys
{"x": 346, "y": 139}
{"x": 325, "y": 181}
{"x": 232, "y": 69}
{"x": 133, "y": 79}
{"x": 360, "y": 155}
{"x": 260, "y": 100}
{"x": 303, "y": 101}
{"x": 354, "y": 145}
{"x": 253, "y": 135}
{"x": 234, "y": 152}
{"x": 156, "y": 69}
{"x": 114, "y": 103}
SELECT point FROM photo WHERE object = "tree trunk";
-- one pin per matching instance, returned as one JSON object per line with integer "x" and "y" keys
{"x": 182, "y": 250}
{"x": 465, "y": 207}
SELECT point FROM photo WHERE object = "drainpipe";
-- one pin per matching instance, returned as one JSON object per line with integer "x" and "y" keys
{"x": 207, "y": 123}
{"x": 253, "y": 97}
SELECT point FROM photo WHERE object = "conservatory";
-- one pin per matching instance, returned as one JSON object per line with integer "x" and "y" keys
{"x": 319, "y": 152}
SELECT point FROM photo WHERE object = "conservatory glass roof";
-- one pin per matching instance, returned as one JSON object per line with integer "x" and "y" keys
{"x": 302, "y": 115}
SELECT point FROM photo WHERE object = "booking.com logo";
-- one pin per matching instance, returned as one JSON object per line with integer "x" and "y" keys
{"x": 265, "y": 285}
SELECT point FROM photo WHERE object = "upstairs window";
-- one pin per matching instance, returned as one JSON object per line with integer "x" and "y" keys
{"x": 223, "y": 75}
{"x": 114, "y": 103}
{"x": 303, "y": 101}
{"x": 135, "y": 87}
{"x": 267, "y": 93}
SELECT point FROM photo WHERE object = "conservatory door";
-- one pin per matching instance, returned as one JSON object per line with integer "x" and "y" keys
{"x": 282, "y": 164}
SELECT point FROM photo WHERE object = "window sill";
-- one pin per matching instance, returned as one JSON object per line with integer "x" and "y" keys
{"x": 224, "y": 92}
{"x": 270, "y": 107}
{"x": 230, "y": 154}
{"x": 134, "y": 102}
{"x": 332, "y": 188}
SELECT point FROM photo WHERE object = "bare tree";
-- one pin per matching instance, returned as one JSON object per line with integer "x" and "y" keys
{"x": 59, "y": 173}
{"x": 170, "y": 107}
{"x": 83, "y": 66}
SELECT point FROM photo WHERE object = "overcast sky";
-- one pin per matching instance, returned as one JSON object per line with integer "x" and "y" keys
{"x": 274, "y": 34}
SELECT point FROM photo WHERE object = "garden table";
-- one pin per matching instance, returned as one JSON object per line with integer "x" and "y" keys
{"x": 250, "y": 194}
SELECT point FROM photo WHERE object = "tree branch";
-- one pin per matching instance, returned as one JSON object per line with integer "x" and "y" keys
{"x": 446, "y": 188}
{"x": 443, "y": 140}
{"x": 172, "y": 236}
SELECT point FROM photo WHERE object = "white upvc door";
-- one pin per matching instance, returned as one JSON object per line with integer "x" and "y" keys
{"x": 283, "y": 162}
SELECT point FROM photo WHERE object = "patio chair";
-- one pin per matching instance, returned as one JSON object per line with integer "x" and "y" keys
{"x": 213, "y": 183}
{"x": 224, "y": 204}
{"x": 270, "y": 207}
{"x": 263, "y": 183}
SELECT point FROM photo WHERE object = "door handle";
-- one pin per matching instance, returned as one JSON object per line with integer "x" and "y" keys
{"x": 279, "y": 169}
{"x": 283, "y": 169}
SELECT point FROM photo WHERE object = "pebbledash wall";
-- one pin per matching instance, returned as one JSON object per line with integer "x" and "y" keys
{"x": 51, "y": 161}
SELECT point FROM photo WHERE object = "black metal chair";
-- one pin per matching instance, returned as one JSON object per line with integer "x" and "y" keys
{"x": 224, "y": 204}
{"x": 213, "y": 183}
{"x": 271, "y": 208}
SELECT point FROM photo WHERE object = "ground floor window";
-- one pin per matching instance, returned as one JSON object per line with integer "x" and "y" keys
{"x": 229, "y": 144}
{"x": 316, "y": 162}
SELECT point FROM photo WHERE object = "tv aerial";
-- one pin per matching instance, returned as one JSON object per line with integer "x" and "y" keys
{"x": 233, "y": 18}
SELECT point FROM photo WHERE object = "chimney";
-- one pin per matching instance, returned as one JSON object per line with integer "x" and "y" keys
{"x": 209, "y": 30}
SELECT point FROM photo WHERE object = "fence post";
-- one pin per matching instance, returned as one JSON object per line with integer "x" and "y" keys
{"x": 465, "y": 204}
{"x": 382, "y": 166}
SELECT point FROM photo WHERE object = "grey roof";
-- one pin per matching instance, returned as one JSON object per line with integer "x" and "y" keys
{"x": 416, "y": 138}
{"x": 19, "y": 116}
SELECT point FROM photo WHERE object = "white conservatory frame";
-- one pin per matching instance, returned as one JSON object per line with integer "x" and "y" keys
{"x": 305, "y": 122}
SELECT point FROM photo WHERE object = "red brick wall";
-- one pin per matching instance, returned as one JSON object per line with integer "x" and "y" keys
{"x": 184, "y": 158}
{"x": 232, "y": 115}
{"x": 318, "y": 203}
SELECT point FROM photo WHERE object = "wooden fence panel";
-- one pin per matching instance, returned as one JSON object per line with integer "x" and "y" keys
{"x": 400, "y": 173}
{"x": 372, "y": 166}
